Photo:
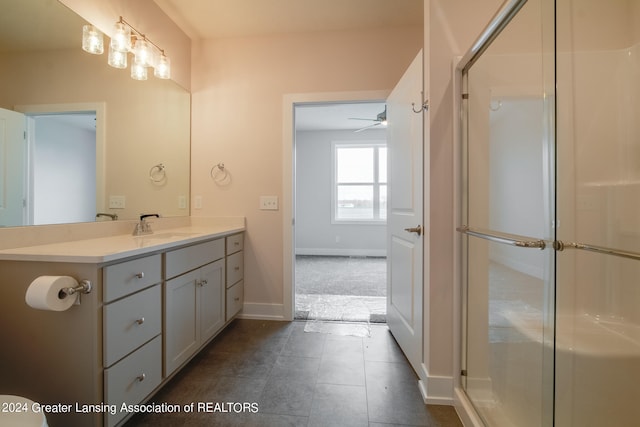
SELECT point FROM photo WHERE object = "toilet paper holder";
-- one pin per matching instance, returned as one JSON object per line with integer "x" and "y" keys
{"x": 84, "y": 287}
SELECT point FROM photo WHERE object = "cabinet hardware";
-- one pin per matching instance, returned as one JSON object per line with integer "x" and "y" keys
{"x": 140, "y": 275}
{"x": 140, "y": 321}
{"x": 141, "y": 377}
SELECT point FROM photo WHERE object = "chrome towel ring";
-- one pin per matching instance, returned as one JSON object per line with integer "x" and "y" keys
{"x": 220, "y": 175}
{"x": 157, "y": 174}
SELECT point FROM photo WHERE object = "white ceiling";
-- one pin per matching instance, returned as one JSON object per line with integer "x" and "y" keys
{"x": 207, "y": 19}
{"x": 337, "y": 116}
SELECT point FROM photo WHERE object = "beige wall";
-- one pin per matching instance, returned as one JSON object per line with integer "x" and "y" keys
{"x": 451, "y": 28}
{"x": 238, "y": 87}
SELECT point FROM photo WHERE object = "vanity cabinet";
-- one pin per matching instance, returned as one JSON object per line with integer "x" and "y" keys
{"x": 150, "y": 311}
{"x": 132, "y": 328}
{"x": 194, "y": 300}
{"x": 234, "y": 283}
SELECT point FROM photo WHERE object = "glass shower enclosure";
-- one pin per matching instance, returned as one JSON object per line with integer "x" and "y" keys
{"x": 550, "y": 215}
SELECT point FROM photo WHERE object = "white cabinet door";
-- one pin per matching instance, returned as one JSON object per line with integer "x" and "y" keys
{"x": 211, "y": 299}
{"x": 182, "y": 331}
{"x": 194, "y": 312}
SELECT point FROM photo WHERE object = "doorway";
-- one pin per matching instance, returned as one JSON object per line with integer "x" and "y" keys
{"x": 340, "y": 211}
{"x": 61, "y": 168}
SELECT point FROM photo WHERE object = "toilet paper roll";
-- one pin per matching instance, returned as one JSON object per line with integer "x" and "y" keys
{"x": 44, "y": 293}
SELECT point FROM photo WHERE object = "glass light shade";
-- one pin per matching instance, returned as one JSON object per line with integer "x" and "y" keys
{"x": 117, "y": 59}
{"x": 138, "y": 71}
{"x": 162, "y": 69}
{"x": 121, "y": 39}
{"x": 142, "y": 52}
{"x": 92, "y": 40}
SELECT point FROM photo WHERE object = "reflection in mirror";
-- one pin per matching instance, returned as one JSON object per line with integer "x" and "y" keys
{"x": 132, "y": 126}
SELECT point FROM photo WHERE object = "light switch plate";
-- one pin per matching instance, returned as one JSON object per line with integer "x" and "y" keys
{"x": 117, "y": 202}
{"x": 268, "y": 203}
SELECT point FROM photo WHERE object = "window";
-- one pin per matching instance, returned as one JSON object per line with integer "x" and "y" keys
{"x": 360, "y": 182}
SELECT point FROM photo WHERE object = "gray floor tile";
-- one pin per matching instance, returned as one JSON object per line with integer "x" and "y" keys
{"x": 393, "y": 395}
{"x": 346, "y": 371}
{"x": 302, "y": 369}
{"x": 304, "y": 344}
{"x": 339, "y": 405}
{"x": 282, "y": 396}
{"x": 344, "y": 380}
{"x": 234, "y": 389}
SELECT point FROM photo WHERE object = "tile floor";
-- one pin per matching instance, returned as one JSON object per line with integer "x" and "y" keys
{"x": 298, "y": 378}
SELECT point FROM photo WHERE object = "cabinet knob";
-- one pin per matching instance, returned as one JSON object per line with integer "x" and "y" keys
{"x": 140, "y": 275}
{"x": 236, "y": 243}
{"x": 141, "y": 377}
{"x": 236, "y": 299}
{"x": 140, "y": 321}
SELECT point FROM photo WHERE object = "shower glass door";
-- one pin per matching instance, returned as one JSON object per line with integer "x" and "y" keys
{"x": 509, "y": 222}
{"x": 598, "y": 207}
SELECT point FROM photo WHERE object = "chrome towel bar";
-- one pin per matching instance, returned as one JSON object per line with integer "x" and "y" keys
{"x": 558, "y": 245}
{"x": 504, "y": 238}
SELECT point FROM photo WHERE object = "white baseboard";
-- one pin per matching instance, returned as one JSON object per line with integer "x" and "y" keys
{"x": 262, "y": 311}
{"x": 465, "y": 410}
{"x": 341, "y": 252}
{"x": 436, "y": 390}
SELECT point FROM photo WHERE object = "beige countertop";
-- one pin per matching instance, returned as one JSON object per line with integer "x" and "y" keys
{"x": 113, "y": 248}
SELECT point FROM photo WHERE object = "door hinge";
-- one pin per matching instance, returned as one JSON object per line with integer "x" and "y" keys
{"x": 465, "y": 96}
{"x": 24, "y": 135}
{"x": 463, "y": 372}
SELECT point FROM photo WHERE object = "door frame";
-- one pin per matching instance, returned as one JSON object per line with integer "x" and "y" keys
{"x": 82, "y": 107}
{"x": 288, "y": 179}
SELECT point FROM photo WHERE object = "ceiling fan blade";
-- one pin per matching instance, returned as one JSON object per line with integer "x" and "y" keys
{"x": 366, "y": 127}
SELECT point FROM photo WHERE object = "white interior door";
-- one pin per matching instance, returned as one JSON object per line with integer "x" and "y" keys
{"x": 12, "y": 166}
{"x": 405, "y": 215}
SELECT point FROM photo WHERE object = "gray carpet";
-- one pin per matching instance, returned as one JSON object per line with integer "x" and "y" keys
{"x": 341, "y": 288}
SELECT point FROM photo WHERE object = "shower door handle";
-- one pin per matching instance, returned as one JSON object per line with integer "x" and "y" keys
{"x": 417, "y": 230}
{"x": 504, "y": 238}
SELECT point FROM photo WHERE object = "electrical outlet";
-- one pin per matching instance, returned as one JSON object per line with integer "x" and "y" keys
{"x": 197, "y": 201}
{"x": 116, "y": 202}
{"x": 182, "y": 202}
{"x": 269, "y": 203}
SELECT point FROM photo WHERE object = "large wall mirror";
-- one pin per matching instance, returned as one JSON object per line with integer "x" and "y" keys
{"x": 95, "y": 141}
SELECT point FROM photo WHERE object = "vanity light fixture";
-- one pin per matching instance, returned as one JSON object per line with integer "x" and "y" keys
{"x": 126, "y": 39}
{"x": 92, "y": 40}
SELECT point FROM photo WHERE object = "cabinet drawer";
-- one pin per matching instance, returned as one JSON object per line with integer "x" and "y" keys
{"x": 235, "y": 243}
{"x": 130, "y": 322}
{"x": 131, "y": 276}
{"x": 235, "y": 268}
{"x": 133, "y": 378}
{"x": 235, "y": 299}
{"x": 186, "y": 259}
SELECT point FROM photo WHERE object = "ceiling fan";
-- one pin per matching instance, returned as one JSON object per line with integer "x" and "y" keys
{"x": 381, "y": 119}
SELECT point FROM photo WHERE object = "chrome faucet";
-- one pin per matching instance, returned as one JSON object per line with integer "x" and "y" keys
{"x": 143, "y": 227}
{"x": 112, "y": 216}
